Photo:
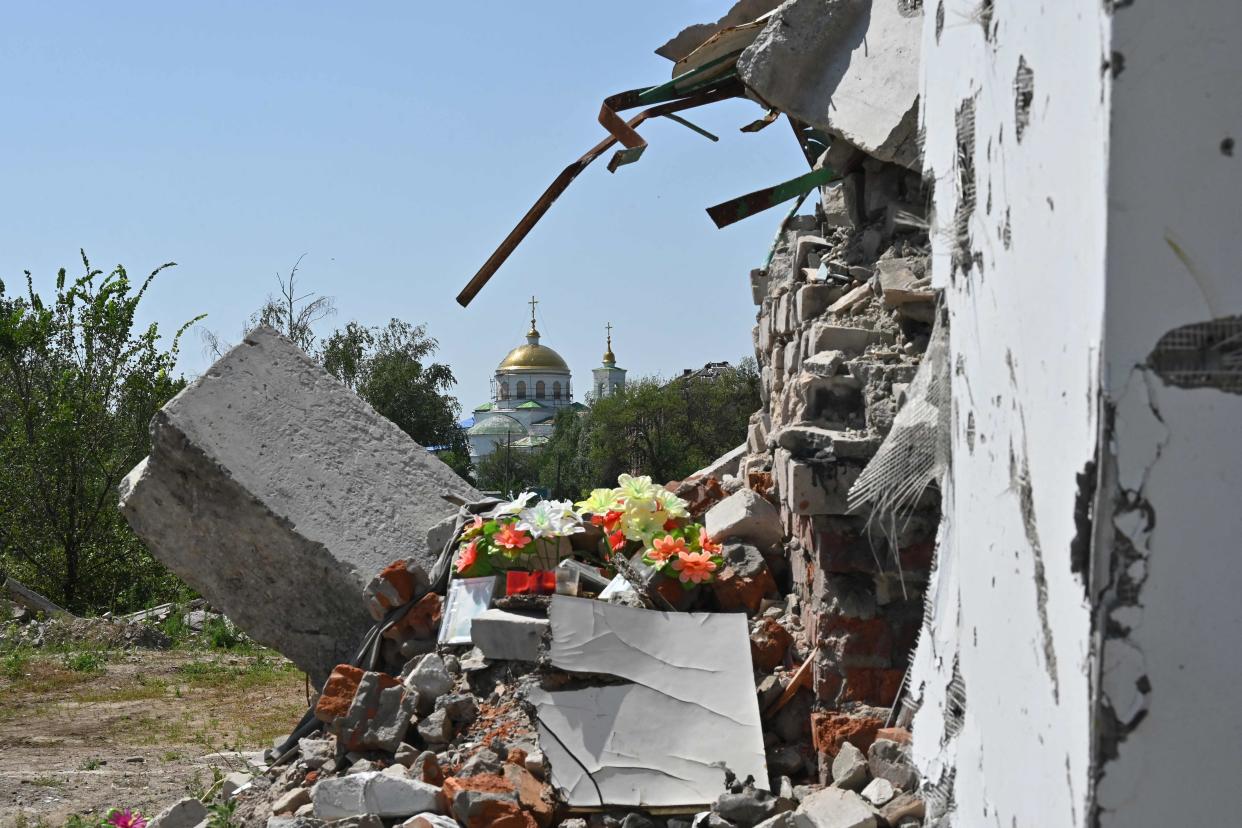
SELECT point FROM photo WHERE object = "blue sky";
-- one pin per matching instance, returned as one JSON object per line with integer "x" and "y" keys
{"x": 395, "y": 144}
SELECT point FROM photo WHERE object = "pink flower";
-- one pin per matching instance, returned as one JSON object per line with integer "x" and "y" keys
{"x": 511, "y": 537}
{"x": 707, "y": 544}
{"x": 695, "y": 567}
{"x": 666, "y": 547}
{"x": 126, "y": 819}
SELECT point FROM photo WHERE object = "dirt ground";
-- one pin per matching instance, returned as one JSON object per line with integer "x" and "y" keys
{"x": 134, "y": 729}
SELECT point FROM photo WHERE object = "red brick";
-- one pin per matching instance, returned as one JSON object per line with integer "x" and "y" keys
{"x": 401, "y": 579}
{"x": 533, "y": 795}
{"x": 830, "y": 730}
{"x": 421, "y": 621}
{"x": 736, "y": 592}
{"x": 768, "y": 645}
{"x": 500, "y": 813}
{"x": 859, "y": 639}
{"x": 872, "y": 685}
{"x": 339, "y": 691}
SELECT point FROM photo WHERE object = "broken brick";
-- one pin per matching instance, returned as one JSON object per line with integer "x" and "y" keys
{"x": 338, "y": 693}
{"x": 421, "y": 621}
{"x": 830, "y": 730}
{"x": 768, "y": 644}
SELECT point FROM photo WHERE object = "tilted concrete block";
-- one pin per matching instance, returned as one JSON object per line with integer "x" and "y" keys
{"x": 747, "y": 516}
{"x": 849, "y": 67}
{"x": 277, "y": 493}
{"x": 508, "y": 636}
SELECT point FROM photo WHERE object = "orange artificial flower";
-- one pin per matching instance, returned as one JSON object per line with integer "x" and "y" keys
{"x": 468, "y": 556}
{"x": 667, "y": 547}
{"x": 608, "y": 520}
{"x": 616, "y": 540}
{"x": 510, "y": 537}
{"x": 707, "y": 544}
{"x": 695, "y": 567}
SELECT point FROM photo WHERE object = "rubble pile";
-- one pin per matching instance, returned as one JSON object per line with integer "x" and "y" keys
{"x": 480, "y": 698}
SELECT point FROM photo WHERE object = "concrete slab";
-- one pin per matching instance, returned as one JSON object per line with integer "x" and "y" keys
{"x": 278, "y": 494}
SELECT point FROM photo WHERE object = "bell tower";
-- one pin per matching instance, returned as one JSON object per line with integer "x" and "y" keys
{"x": 608, "y": 378}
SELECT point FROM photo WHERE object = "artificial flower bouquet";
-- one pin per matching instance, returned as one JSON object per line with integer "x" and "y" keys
{"x": 645, "y": 516}
{"x": 517, "y": 535}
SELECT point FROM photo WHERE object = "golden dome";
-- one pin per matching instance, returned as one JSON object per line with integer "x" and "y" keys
{"x": 533, "y": 357}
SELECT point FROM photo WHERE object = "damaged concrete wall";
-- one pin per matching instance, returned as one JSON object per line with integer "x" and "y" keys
{"x": 1083, "y": 167}
{"x": 1168, "y": 575}
{"x": 1014, "y": 118}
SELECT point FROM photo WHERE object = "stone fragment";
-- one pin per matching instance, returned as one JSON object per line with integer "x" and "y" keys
{"x": 849, "y": 768}
{"x": 813, "y": 300}
{"x": 785, "y": 760}
{"x": 768, "y": 644}
{"x": 435, "y": 728}
{"x": 878, "y": 792}
{"x": 725, "y": 464}
{"x": 827, "y": 337}
{"x": 405, "y": 755}
{"x": 820, "y": 487}
{"x": 834, "y": 808}
{"x": 233, "y": 781}
{"x": 747, "y": 516}
{"x": 745, "y": 580}
{"x": 892, "y": 761}
{"x": 769, "y": 690}
{"x": 290, "y": 801}
{"x": 480, "y": 797}
{"x": 904, "y": 806}
{"x": 485, "y": 761}
{"x": 303, "y": 821}
{"x": 851, "y": 300}
{"x": 429, "y": 821}
{"x": 824, "y": 363}
{"x": 637, "y": 820}
{"x": 848, "y": 68}
{"x": 749, "y": 807}
{"x": 431, "y": 678}
{"x": 426, "y": 768}
{"x": 186, "y": 813}
{"x": 373, "y": 793}
{"x": 379, "y": 715}
{"x": 508, "y": 636}
{"x": 900, "y": 735}
{"x": 462, "y": 708}
{"x": 277, "y": 493}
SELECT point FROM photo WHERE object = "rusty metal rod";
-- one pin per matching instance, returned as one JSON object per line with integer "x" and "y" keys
{"x": 729, "y": 89}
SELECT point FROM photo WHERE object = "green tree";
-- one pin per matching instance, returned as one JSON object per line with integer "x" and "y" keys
{"x": 564, "y": 466}
{"x": 509, "y": 470}
{"x": 79, "y": 383}
{"x": 392, "y": 369}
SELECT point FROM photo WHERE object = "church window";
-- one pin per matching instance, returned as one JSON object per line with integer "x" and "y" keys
{"x": 556, "y": 390}
{"x": 521, "y": 389}
{"x": 540, "y": 390}
{"x": 504, "y": 390}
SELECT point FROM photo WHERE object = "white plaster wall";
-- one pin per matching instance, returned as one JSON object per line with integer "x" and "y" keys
{"x": 1026, "y": 328}
{"x": 1172, "y": 188}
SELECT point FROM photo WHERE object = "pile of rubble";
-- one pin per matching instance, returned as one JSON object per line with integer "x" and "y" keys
{"x": 626, "y": 702}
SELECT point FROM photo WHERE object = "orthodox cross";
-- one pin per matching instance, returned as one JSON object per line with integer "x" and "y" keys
{"x": 533, "y": 302}
{"x": 609, "y": 327}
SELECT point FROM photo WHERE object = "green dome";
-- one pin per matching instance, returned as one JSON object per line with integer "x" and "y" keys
{"x": 497, "y": 425}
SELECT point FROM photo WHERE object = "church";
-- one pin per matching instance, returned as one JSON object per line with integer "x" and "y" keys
{"x": 530, "y": 386}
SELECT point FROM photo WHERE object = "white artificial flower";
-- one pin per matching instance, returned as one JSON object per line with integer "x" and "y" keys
{"x": 515, "y": 506}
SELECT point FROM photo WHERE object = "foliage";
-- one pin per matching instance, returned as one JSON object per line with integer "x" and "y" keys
{"x": 14, "y": 664}
{"x": 220, "y": 815}
{"x": 391, "y": 368}
{"x": 79, "y": 383}
{"x": 220, "y": 634}
{"x": 665, "y": 430}
{"x": 509, "y": 470}
{"x": 86, "y": 661}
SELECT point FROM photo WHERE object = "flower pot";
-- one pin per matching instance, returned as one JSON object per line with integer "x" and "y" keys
{"x": 544, "y": 553}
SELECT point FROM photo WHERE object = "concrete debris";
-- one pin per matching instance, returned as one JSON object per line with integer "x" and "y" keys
{"x": 244, "y": 499}
{"x": 373, "y": 793}
{"x": 878, "y": 791}
{"x": 846, "y": 67}
{"x": 508, "y": 636}
{"x": 834, "y": 808}
{"x": 691, "y": 37}
{"x": 187, "y": 813}
{"x": 849, "y": 768}
{"x": 891, "y": 761}
{"x": 745, "y": 516}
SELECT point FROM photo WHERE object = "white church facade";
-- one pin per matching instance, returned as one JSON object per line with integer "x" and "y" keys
{"x": 530, "y": 386}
